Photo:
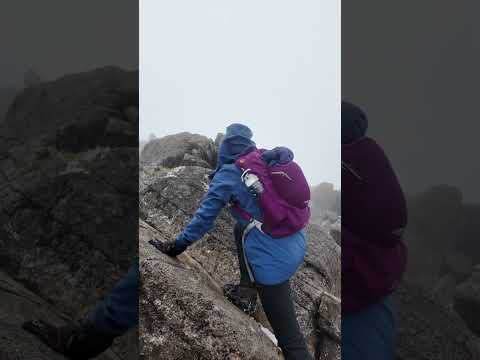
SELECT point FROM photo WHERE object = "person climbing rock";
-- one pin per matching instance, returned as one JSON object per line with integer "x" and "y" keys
{"x": 374, "y": 216}
{"x": 270, "y": 241}
{"x": 111, "y": 317}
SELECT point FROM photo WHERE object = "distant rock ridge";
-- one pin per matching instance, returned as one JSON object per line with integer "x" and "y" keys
{"x": 467, "y": 300}
{"x": 180, "y": 149}
{"x": 442, "y": 237}
{"x": 325, "y": 203}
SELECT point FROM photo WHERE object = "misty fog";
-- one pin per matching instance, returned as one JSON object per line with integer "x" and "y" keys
{"x": 62, "y": 42}
{"x": 272, "y": 65}
{"x": 415, "y": 73}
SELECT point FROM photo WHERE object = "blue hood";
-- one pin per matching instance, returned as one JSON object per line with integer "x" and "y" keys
{"x": 237, "y": 141}
{"x": 354, "y": 123}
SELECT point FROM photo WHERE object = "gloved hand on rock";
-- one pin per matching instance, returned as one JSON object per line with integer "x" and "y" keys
{"x": 169, "y": 248}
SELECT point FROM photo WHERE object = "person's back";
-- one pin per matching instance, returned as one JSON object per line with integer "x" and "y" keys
{"x": 374, "y": 203}
{"x": 373, "y": 219}
{"x": 266, "y": 263}
{"x": 373, "y": 253}
{"x": 273, "y": 260}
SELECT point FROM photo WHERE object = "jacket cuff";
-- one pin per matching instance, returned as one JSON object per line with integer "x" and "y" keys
{"x": 180, "y": 243}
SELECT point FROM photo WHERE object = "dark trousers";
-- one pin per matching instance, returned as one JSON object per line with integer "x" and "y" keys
{"x": 277, "y": 303}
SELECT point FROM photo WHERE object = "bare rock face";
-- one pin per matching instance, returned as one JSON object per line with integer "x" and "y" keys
{"x": 31, "y": 78}
{"x": 325, "y": 203}
{"x": 468, "y": 243}
{"x": 434, "y": 224}
{"x": 169, "y": 198}
{"x": 16, "y": 344}
{"x": 183, "y": 313}
{"x": 428, "y": 330}
{"x": 467, "y": 301}
{"x": 68, "y": 200}
{"x": 180, "y": 149}
{"x": 455, "y": 269}
{"x": 18, "y": 305}
{"x": 442, "y": 238}
{"x": 7, "y": 94}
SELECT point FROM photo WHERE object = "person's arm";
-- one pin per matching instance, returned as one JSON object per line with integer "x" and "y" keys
{"x": 218, "y": 195}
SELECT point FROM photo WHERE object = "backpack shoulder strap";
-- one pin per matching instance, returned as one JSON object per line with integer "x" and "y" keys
{"x": 243, "y": 214}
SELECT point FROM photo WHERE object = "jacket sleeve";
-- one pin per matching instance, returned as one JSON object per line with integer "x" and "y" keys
{"x": 218, "y": 195}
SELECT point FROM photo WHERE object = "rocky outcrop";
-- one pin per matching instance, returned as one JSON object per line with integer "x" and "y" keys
{"x": 18, "y": 305}
{"x": 183, "y": 313}
{"x": 325, "y": 203}
{"x": 467, "y": 300}
{"x": 180, "y": 149}
{"x": 427, "y": 330}
{"x": 455, "y": 268}
{"x": 439, "y": 230}
{"x": 68, "y": 200}
{"x": 31, "y": 78}
{"x": 433, "y": 225}
{"x": 168, "y": 199}
{"x": 17, "y": 344}
{"x": 442, "y": 238}
{"x": 468, "y": 242}
{"x": 7, "y": 95}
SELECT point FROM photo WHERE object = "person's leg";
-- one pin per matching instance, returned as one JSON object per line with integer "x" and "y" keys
{"x": 244, "y": 277}
{"x": 278, "y": 306}
{"x": 118, "y": 311}
{"x": 244, "y": 294}
{"x": 112, "y": 317}
{"x": 370, "y": 333}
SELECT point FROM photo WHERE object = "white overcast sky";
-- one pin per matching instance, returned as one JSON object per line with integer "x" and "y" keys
{"x": 273, "y": 65}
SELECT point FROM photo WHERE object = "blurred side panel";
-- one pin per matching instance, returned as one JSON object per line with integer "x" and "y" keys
{"x": 68, "y": 171}
{"x": 412, "y": 67}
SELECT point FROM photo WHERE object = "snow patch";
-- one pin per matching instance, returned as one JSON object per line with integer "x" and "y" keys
{"x": 174, "y": 172}
{"x": 269, "y": 335}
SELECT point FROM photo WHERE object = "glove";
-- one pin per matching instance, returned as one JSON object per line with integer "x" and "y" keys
{"x": 169, "y": 248}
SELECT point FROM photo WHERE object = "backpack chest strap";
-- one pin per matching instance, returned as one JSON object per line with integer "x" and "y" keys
{"x": 253, "y": 223}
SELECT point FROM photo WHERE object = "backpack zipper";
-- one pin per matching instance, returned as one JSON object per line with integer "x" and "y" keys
{"x": 347, "y": 167}
{"x": 283, "y": 173}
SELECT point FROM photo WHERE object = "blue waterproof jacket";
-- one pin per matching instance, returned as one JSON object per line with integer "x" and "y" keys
{"x": 371, "y": 333}
{"x": 272, "y": 260}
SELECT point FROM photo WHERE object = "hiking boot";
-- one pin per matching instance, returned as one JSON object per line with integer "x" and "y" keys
{"x": 243, "y": 297}
{"x": 72, "y": 340}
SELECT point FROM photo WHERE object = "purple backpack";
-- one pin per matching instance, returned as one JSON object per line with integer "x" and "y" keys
{"x": 285, "y": 197}
{"x": 374, "y": 214}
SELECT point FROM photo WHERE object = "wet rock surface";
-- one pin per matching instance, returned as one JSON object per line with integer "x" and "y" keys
{"x": 169, "y": 197}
